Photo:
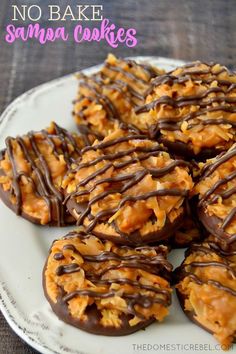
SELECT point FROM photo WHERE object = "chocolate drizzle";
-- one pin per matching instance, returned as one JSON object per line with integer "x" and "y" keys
{"x": 42, "y": 184}
{"x": 110, "y": 261}
{"x": 122, "y": 182}
{"x": 204, "y": 104}
{"x": 136, "y": 260}
{"x": 131, "y": 86}
{"x": 208, "y": 169}
{"x": 212, "y": 195}
{"x": 188, "y": 269}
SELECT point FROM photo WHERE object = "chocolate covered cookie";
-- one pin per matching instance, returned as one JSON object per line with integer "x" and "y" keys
{"x": 192, "y": 110}
{"x": 107, "y": 289}
{"x": 128, "y": 189}
{"x": 107, "y": 99}
{"x": 32, "y": 168}
{"x": 217, "y": 197}
{"x": 206, "y": 287}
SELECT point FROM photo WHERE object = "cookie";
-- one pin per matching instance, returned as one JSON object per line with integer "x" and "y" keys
{"x": 217, "y": 194}
{"x": 206, "y": 288}
{"x": 192, "y": 110}
{"x": 128, "y": 189}
{"x": 107, "y": 99}
{"x": 107, "y": 289}
{"x": 32, "y": 168}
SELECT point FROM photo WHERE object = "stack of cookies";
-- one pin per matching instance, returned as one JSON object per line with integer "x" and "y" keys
{"x": 152, "y": 168}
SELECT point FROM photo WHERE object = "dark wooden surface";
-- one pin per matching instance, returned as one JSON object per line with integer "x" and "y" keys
{"x": 184, "y": 29}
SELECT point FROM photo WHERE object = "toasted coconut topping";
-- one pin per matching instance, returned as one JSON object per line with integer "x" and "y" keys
{"x": 32, "y": 169}
{"x": 207, "y": 284}
{"x": 83, "y": 271}
{"x": 194, "y": 105}
{"x": 216, "y": 190}
{"x": 127, "y": 183}
{"x": 107, "y": 98}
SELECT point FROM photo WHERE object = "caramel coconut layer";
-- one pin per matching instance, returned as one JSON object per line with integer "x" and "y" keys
{"x": 207, "y": 289}
{"x": 127, "y": 188}
{"x": 217, "y": 192}
{"x": 107, "y": 98}
{"x": 192, "y": 109}
{"x": 32, "y": 168}
{"x": 104, "y": 288}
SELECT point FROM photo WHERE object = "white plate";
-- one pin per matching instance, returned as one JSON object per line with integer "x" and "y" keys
{"x": 24, "y": 248}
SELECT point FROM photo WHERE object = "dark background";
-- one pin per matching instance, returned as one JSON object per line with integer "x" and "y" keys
{"x": 181, "y": 29}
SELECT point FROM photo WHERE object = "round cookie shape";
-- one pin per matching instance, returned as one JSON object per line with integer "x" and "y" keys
{"x": 206, "y": 288}
{"x": 192, "y": 109}
{"x": 32, "y": 168}
{"x": 216, "y": 192}
{"x": 103, "y": 288}
{"x": 107, "y": 99}
{"x": 128, "y": 189}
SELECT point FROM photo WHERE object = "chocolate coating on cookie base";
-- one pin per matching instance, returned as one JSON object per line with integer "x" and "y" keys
{"x": 123, "y": 182}
{"x": 134, "y": 238}
{"x": 92, "y": 324}
{"x": 5, "y": 197}
{"x": 184, "y": 150}
{"x": 124, "y": 264}
{"x": 191, "y": 229}
{"x": 191, "y": 315}
{"x": 216, "y": 96}
{"x": 211, "y": 223}
{"x": 58, "y": 142}
{"x": 210, "y": 283}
